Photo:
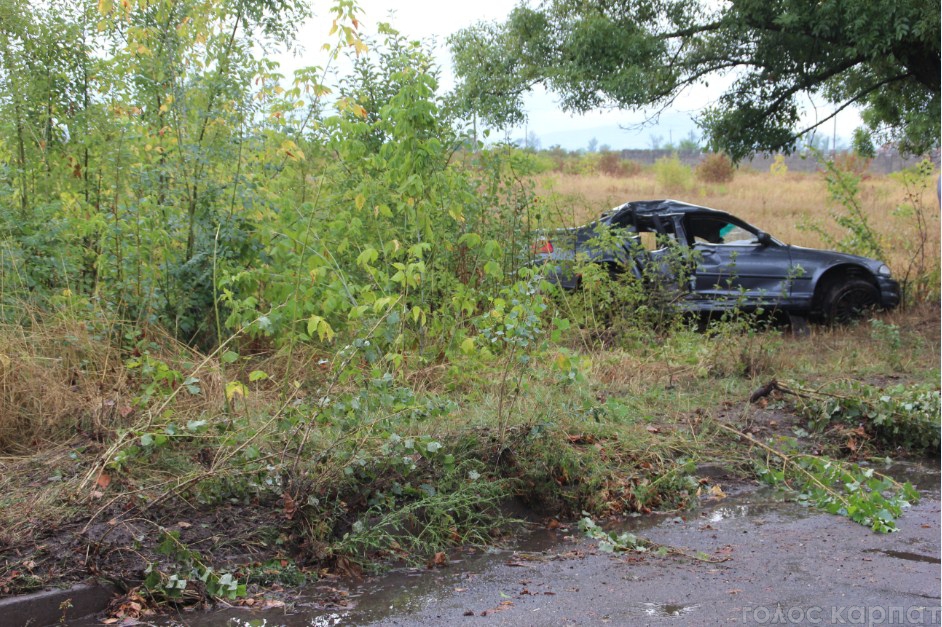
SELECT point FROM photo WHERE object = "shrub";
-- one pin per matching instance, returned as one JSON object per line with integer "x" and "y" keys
{"x": 612, "y": 164}
{"x": 587, "y": 163}
{"x": 715, "y": 168}
{"x": 537, "y": 162}
{"x": 672, "y": 175}
{"x": 853, "y": 163}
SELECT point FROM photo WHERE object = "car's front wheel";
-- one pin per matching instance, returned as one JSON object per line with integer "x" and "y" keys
{"x": 849, "y": 300}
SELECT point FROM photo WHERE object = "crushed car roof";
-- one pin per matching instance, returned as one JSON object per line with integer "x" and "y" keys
{"x": 665, "y": 206}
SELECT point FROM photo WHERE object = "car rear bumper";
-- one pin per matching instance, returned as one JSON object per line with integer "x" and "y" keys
{"x": 562, "y": 277}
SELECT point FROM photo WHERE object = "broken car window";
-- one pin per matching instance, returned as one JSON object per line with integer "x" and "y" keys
{"x": 718, "y": 232}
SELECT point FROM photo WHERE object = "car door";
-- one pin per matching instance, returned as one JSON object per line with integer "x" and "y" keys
{"x": 734, "y": 265}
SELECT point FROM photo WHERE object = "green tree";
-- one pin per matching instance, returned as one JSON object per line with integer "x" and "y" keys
{"x": 881, "y": 55}
{"x": 691, "y": 143}
{"x": 124, "y": 130}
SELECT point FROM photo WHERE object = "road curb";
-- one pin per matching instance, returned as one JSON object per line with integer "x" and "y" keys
{"x": 50, "y": 607}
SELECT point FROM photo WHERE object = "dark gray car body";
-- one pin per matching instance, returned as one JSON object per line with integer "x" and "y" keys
{"x": 731, "y": 263}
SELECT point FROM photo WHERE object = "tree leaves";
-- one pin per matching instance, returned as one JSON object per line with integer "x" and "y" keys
{"x": 883, "y": 55}
{"x": 317, "y": 324}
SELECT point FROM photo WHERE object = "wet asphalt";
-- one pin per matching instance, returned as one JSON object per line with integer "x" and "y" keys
{"x": 771, "y": 562}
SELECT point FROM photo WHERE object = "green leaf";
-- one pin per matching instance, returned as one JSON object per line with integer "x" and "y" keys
{"x": 191, "y": 385}
{"x": 196, "y": 426}
{"x": 467, "y": 346}
{"x": 229, "y": 357}
{"x": 317, "y": 324}
{"x": 367, "y": 257}
{"x": 257, "y": 375}
{"x": 236, "y": 388}
{"x": 471, "y": 240}
{"x": 492, "y": 269}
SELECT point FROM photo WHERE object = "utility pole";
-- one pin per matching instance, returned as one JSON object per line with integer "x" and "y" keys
{"x": 834, "y": 139}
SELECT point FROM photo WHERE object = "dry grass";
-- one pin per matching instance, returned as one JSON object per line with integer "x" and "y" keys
{"x": 778, "y": 204}
{"x": 57, "y": 378}
{"x": 60, "y": 377}
{"x": 855, "y": 351}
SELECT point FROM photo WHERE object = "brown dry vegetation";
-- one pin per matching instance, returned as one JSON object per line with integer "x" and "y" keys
{"x": 61, "y": 377}
{"x": 54, "y": 378}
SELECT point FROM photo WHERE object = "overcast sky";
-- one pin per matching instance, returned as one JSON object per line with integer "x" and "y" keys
{"x": 435, "y": 21}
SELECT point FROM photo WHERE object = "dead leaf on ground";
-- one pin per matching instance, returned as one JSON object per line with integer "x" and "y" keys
{"x": 290, "y": 506}
{"x": 503, "y": 605}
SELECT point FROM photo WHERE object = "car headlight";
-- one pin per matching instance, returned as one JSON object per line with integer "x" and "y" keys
{"x": 884, "y": 270}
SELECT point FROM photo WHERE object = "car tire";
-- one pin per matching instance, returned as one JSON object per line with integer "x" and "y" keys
{"x": 850, "y": 300}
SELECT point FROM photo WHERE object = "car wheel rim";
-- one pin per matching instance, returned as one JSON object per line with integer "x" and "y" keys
{"x": 854, "y": 304}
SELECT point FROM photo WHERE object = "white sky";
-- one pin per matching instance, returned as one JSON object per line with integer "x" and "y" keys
{"x": 435, "y": 20}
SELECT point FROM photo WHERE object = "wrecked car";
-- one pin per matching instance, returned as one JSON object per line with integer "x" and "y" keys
{"x": 714, "y": 261}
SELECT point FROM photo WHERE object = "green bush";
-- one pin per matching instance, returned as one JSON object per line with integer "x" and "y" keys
{"x": 672, "y": 175}
{"x": 587, "y": 163}
{"x": 538, "y": 162}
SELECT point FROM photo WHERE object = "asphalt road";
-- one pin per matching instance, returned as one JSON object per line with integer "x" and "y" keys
{"x": 782, "y": 564}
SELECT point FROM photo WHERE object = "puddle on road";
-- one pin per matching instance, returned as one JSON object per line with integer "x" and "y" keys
{"x": 906, "y": 555}
{"x": 924, "y": 478}
{"x": 402, "y": 592}
{"x": 666, "y": 610}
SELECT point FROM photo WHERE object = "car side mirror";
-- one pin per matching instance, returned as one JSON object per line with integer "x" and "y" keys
{"x": 763, "y": 238}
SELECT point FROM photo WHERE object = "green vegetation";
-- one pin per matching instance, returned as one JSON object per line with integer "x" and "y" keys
{"x": 673, "y": 175}
{"x": 883, "y": 55}
{"x": 254, "y": 326}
